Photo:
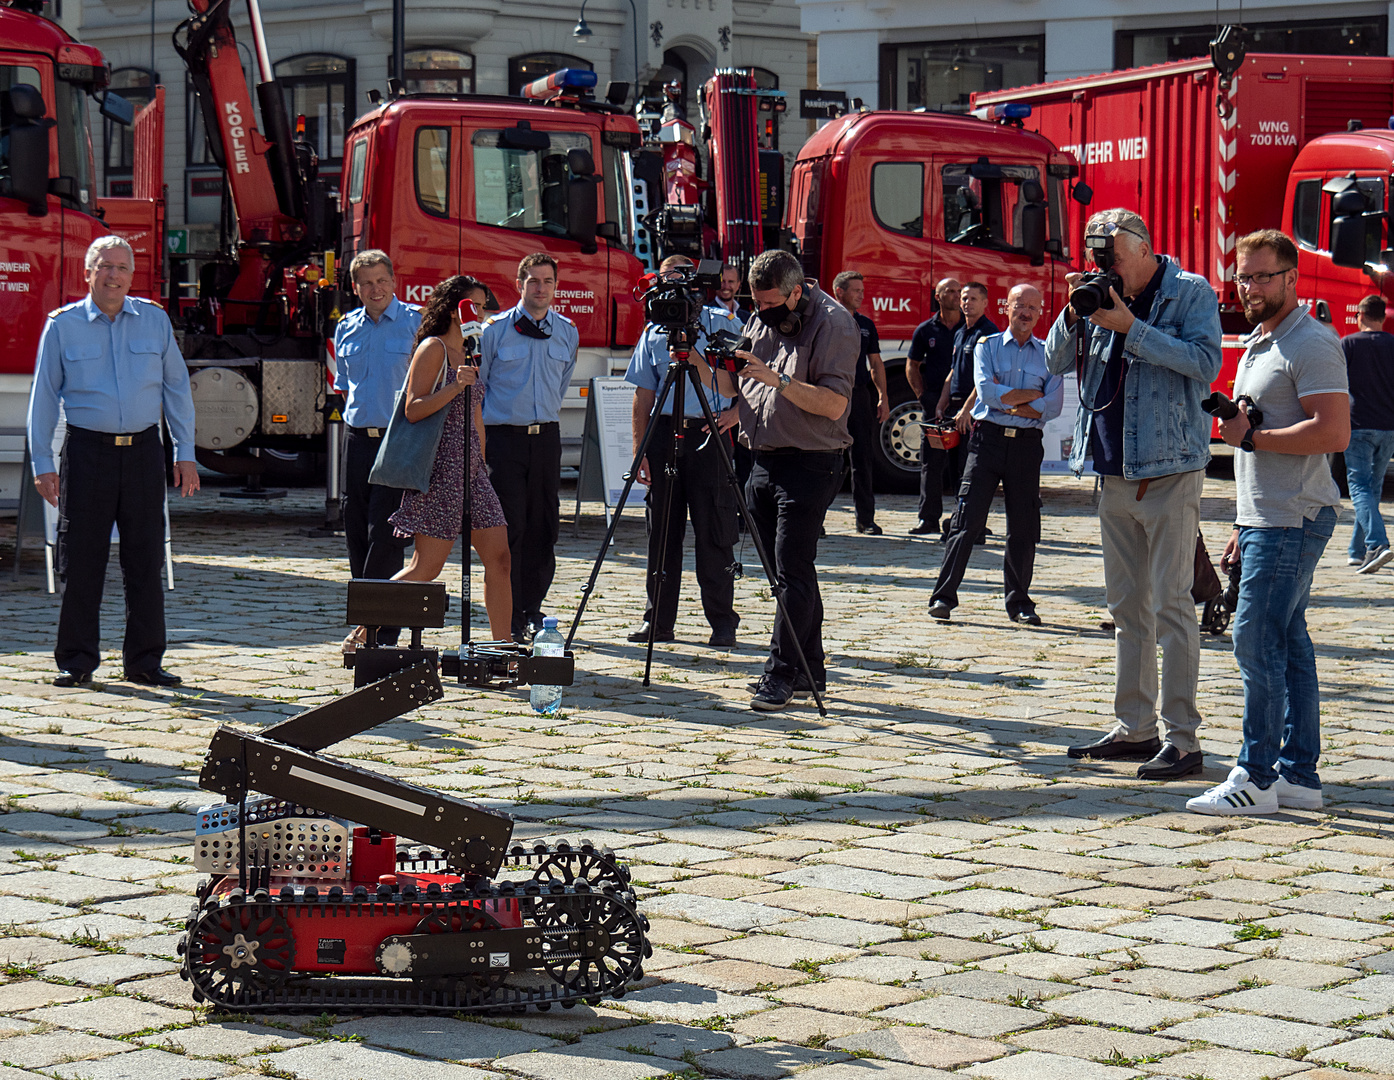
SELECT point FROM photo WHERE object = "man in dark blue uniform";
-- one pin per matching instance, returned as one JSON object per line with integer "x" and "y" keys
{"x": 527, "y": 355}
{"x": 112, "y": 363}
{"x": 871, "y": 406}
{"x": 927, "y": 371}
{"x": 955, "y": 399}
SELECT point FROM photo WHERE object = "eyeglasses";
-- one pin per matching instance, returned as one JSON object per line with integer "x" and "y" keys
{"x": 1245, "y": 280}
{"x": 114, "y": 268}
{"x": 1109, "y": 228}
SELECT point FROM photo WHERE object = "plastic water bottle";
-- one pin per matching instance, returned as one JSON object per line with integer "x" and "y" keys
{"x": 548, "y": 642}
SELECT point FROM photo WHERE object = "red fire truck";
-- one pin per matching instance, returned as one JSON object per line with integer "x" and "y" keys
{"x": 49, "y": 207}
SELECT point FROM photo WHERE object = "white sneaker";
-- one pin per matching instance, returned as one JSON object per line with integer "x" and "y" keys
{"x": 1375, "y": 559}
{"x": 1237, "y": 795}
{"x": 1355, "y": 560}
{"x": 1296, "y": 796}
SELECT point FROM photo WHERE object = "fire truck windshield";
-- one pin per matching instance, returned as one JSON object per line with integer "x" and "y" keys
{"x": 11, "y": 75}
{"x": 74, "y": 145}
{"x": 524, "y": 189}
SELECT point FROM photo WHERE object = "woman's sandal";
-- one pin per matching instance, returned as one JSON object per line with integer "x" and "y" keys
{"x": 354, "y": 640}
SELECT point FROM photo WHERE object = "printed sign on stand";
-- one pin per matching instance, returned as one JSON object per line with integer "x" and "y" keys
{"x": 607, "y": 450}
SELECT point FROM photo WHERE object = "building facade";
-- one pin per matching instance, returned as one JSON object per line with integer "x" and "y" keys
{"x": 329, "y": 53}
{"x": 908, "y": 54}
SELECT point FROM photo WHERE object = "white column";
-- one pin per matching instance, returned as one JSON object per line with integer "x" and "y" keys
{"x": 1078, "y": 47}
{"x": 848, "y": 60}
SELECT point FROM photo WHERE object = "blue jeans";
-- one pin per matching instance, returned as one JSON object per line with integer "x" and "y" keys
{"x": 1367, "y": 458}
{"x": 1282, "y": 720}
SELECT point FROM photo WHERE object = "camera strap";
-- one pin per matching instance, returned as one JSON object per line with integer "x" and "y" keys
{"x": 1082, "y": 354}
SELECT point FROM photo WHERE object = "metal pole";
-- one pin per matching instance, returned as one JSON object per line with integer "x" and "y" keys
{"x": 399, "y": 35}
{"x": 635, "y": 12}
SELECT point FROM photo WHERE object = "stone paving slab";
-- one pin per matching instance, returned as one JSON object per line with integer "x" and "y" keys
{"x": 954, "y": 894}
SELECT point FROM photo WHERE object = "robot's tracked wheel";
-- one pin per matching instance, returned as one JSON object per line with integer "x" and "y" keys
{"x": 240, "y": 951}
{"x": 464, "y": 920}
{"x": 608, "y": 954}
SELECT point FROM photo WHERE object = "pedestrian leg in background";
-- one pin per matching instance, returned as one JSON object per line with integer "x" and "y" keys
{"x": 1021, "y": 492}
{"x": 1367, "y": 459}
{"x": 506, "y": 453}
{"x": 985, "y": 467}
{"x": 543, "y": 522}
{"x": 862, "y": 426}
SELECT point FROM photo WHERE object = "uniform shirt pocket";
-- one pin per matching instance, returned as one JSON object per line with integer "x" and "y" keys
{"x": 83, "y": 367}
{"x": 558, "y": 351}
{"x": 513, "y": 353}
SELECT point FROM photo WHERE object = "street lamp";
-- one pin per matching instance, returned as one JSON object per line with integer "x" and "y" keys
{"x": 584, "y": 31}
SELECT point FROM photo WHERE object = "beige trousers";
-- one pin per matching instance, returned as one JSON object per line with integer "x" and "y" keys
{"x": 1149, "y": 566}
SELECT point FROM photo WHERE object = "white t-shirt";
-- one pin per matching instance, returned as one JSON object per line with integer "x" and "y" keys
{"x": 1302, "y": 357}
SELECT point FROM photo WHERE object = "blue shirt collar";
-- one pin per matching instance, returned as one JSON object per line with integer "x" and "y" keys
{"x": 90, "y": 308}
{"x": 518, "y": 309}
{"x": 392, "y": 312}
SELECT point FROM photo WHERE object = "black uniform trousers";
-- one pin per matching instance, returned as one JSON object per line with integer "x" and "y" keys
{"x": 101, "y": 484}
{"x": 958, "y": 456}
{"x": 865, "y": 432}
{"x": 788, "y": 496}
{"x": 700, "y": 489}
{"x": 933, "y": 467}
{"x": 526, "y": 472}
{"x": 1011, "y": 457}
{"x": 374, "y": 551}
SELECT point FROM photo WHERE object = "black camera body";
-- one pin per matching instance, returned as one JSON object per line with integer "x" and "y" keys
{"x": 676, "y": 300}
{"x": 1092, "y": 293}
{"x": 721, "y": 351}
{"x": 1235, "y": 571}
{"x": 1219, "y": 405}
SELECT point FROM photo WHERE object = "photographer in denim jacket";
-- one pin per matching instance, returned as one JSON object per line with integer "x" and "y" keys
{"x": 1149, "y": 358}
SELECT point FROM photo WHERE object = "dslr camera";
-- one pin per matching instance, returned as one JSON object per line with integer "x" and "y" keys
{"x": 721, "y": 351}
{"x": 676, "y": 299}
{"x": 1092, "y": 293}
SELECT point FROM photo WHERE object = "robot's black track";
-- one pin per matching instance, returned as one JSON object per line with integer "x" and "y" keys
{"x": 266, "y": 982}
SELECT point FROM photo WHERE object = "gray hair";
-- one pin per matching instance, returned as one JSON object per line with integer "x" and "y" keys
{"x": 368, "y": 258}
{"x": 776, "y": 269}
{"x": 1129, "y": 222}
{"x": 106, "y": 243}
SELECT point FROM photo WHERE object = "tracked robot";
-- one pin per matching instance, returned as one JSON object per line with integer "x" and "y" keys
{"x": 313, "y": 903}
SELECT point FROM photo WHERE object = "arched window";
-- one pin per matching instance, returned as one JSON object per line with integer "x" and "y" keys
{"x": 136, "y": 85}
{"x": 320, "y": 88}
{"x": 765, "y": 79}
{"x": 439, "y": 71}
{"x": 524, "y": 69}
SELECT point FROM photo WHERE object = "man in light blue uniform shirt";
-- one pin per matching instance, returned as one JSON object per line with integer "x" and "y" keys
{"x": 1014, "y": 395}
{"x": 527, "y": 355}
{"x": 372, "y": 350}
{"x": 696, "y": 479}
{"x": 112, "y": 363}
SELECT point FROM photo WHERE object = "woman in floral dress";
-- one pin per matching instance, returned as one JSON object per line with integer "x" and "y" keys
{"x": 433, "y": 518}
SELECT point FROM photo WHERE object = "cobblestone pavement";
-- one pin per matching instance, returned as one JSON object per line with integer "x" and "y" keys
{"x": 919, "y": 884}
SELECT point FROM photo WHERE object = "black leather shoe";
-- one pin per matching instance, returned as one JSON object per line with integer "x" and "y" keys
{"x": 641, "y": 636}
{"x": 1111, "y": 747}
{"x": 870, "y": 530}
{"x": 156, "y": 677}
{"x": 924, "y": 528}
{"x": 73, "y": 678}
{"x": 801, "y": 688}
{"x": 1026, "y": 618}
{"x": 1171, "y": 764}
{"x": 722, "y": 639}
{"x": 939, "y": 611}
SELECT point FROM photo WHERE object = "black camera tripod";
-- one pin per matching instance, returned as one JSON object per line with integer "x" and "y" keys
{"x": 681, "y": 371}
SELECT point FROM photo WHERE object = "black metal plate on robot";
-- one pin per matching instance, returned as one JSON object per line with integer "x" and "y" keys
{"x": 474, "y": 839}
{"x": 396, "y": 603}
{"x": 373, "y": 702}
{"x": 479, "y": 952}
{"x": 370, "y": 665}
{"x": 500, "y": 666}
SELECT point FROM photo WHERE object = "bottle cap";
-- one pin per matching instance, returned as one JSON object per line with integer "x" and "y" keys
{"x": 549, "y": 622}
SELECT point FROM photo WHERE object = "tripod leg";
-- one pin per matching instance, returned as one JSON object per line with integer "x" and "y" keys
{"x": 657, "y": 576}
{"x": 776, "y": 590}
{"x": 466, "y": 532}
{"x": 668, "y": 381}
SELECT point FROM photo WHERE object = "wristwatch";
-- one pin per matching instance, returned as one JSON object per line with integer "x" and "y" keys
{"x": 1247, "y": 442}
{"x": 784, "y": 382}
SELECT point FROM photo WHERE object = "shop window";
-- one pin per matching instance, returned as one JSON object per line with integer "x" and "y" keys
{"x": 940, "y": 76}
{"x": 524, "y": 69}
{"x": 136, "y": 85}
{"x": 320, "y": 88}
{"x": 439, "y": 71}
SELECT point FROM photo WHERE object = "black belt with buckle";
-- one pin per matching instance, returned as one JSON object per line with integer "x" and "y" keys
{"x": 368, "y": 432}
{"x": 988, "y": 427}
{"x": 522, "y": 429}
{"x": 111, "y": 438}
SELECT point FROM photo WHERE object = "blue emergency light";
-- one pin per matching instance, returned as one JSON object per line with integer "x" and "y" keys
{"x": 559, "y": 82}
{"x": 1009, "y": 112}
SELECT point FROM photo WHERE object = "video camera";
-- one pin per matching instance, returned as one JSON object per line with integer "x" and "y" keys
{"x": 721, "y": 351}
{"x": 1092, "y": 293}
{"x": 676, "y": 299}
{"x": 1219, "y": 405}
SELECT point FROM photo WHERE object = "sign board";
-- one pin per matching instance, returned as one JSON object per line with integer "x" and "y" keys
{"x": 822, "y": 104}
{"x": 177, "y": 240}
{"x": 607, "y": 448}
{"x": 1059, "y": 435}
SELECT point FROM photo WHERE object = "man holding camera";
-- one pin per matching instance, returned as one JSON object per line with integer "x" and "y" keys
{"x": 526, "y": 357}
{"x": 792, "y": 393}
{"x": 1294, "y": 373}
{"x": 1015, "y": 395}
{"x": 871, "y": 405}
{"x": 693, "y": 482}
{"x": 1151, "y": 348}
{"x": 927, "y": 371}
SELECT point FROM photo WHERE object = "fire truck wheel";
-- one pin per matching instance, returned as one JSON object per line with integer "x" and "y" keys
{"x": 237, "y": 953}
{"x": 896, "y": 464}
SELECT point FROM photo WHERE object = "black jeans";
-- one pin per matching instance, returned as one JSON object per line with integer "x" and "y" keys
{"x": 865, "y": 432}
{"x": 958, "y": 456}
{"x": 526, "y": 473}
{"x": 373, "y": 550}
{"x": 933, "y": 466}
{"x": 700, "y": 488}
{"x": 101, "y": 484}
{"x": 1016, "y": 464}
{"x": 788, "y": 496}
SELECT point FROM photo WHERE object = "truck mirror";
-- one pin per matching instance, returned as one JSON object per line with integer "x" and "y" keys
{"x": 523, "y": 137}
{"x": 26, "y": 102}
{"x": 1033, "y": 232}
{"x": 580, "y": 162}
{"x": 118, "y": 109}
{"x": 1348, "y": 203}
{"x": 1348, "y": 236}
{"x": 1082, "y": 193}
{"x": 582, "y": 210}
{"x": 608, "y": 230}
{"x": 29, "y": 165}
